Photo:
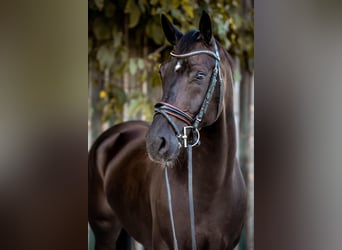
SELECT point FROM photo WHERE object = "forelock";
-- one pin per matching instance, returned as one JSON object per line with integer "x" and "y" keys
{"x": 186, "y": 42}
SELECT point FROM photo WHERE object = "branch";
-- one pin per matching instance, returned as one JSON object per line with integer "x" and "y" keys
{"x": 157, "y": 51}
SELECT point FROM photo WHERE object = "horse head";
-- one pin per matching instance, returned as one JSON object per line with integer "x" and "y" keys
{"x": 187, "y": 78}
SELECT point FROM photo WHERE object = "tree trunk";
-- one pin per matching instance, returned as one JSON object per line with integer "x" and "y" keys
{"x": 247, "y": 134}
{"x": 250, "y": 170}
{"x": 94, "y": 121}
{"x": 246, "y": 131}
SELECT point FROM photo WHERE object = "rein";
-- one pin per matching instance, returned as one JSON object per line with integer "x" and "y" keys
{"x": 167, "y": 110}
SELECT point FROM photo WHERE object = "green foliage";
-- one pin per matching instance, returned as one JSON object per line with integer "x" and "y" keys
{"x": 112, "y": 101}
{"x": 126, "y": 37}
{"x": 140, "y": 104}
{"x": 134, "y": 12}
{"x": 101, "y": 29}
{"x": 154, "y": 30}
{"x": 99, "y": 4}
{"x": 105, "y": 56}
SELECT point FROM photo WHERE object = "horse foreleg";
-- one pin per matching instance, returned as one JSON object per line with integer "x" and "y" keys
{"x": 106, "y": 232}
{"x": 102, "y": 220}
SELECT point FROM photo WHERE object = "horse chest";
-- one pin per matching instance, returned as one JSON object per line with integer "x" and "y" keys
{"x": 213, "y": 219}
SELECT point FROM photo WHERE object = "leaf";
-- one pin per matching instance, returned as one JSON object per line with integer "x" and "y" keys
{"x": 105, "y": 57}
{"x": 117, "y": 37}
{"x": 142, "y": 77}
{"x": 141, "y": 63}
{"x": 177, "y": 14}
{"x": 189, "y": 10}
{"x": 226, "y": 43}
{"x": 101, "y": 29}
{"x": 119, "y": 72}
{"x": 134, "y": 106}
{"x": 174, "y": 4}
{"x": 132, "y": 66}
{"x": 237, "y": 75}
{"x": 157, "y": 33}
{"x": 148, "y": 110}
{"x": 109, "y": 10}
{"x": 134, "y": 18}
{"x": 134, "y": 13}
{"x": 142, "y": 4}
{"x": 99, "y": 4}
{"x": 154, "y": 30}
{"x": 154, "y": 2}
{"x": 165, "y": 5}
{"x": 155, "y": 80}
{"x": 120, "y": 95}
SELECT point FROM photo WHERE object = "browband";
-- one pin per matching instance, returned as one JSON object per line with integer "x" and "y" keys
{"x": 193, "y": 53}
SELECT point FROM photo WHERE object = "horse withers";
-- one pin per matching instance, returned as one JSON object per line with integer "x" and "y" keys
{"x": 127, "y": 163}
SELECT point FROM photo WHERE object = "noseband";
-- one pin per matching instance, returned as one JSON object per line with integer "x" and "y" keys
{"x": 167, "y": 110}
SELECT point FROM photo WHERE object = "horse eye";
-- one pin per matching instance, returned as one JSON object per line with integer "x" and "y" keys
{"x": 200, "y": 76}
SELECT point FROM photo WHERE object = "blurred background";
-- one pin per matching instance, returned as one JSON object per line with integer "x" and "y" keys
{"x": 126, "y": 45}
{"x": 44, "y": 108}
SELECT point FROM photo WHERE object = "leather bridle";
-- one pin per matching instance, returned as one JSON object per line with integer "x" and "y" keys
{"x": 167, "y": 110}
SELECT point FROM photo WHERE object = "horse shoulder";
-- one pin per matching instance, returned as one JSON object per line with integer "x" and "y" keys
{"x": 115, "y": 143}
{"x": 126, "y": 172}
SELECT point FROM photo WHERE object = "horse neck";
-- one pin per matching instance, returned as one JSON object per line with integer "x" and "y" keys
{"x": 218, "y": 142}
{"x": 218, "y": 148}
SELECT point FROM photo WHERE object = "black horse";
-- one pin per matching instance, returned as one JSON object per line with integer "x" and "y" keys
{"x": 127, "y": 188}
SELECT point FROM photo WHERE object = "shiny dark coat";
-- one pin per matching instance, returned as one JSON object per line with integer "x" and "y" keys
{"x": 126, "y": 178}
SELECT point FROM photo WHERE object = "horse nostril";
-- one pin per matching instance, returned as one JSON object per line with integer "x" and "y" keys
{"x": 162, "y": 146}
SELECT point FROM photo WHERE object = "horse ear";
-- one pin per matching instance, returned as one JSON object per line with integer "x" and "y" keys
{"x": 205, "y": 27}
{"x": 171, "y": 32}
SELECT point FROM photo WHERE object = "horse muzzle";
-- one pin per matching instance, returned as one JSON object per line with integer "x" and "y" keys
{"x": 161, "y": 143}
